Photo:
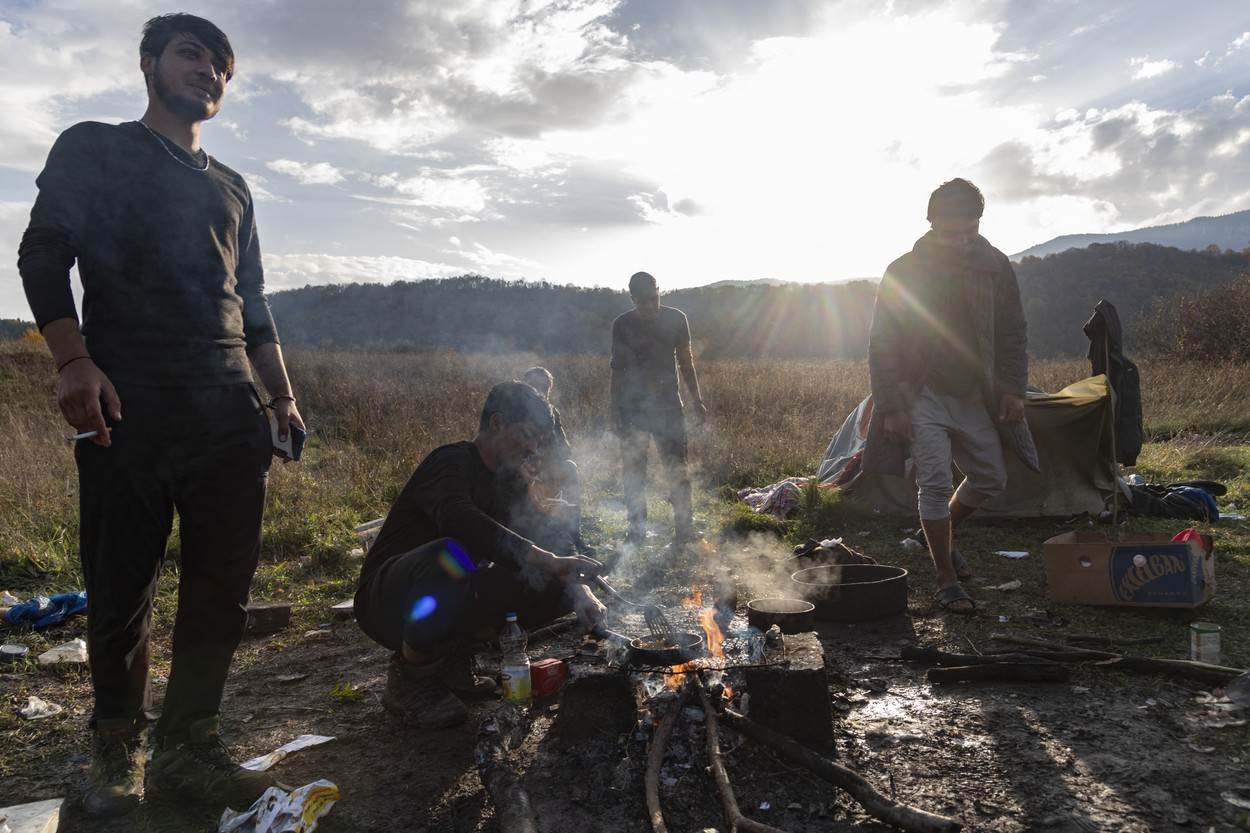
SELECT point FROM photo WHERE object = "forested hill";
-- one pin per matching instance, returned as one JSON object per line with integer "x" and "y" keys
{"x": 1229, "y": 231}
{"x": 484, "y": 314}
{"x": 1060, "y": 290}
{"x": 751, "y": 320}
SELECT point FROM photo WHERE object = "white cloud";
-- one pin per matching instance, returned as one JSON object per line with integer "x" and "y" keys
{"x": 256, "y": 184}
{"x": 1242, "y": 40}
{"x": 497, "y": 263}
{"x": 455, "y": 193}
{"x": 289, "y": 271}
{"x": 1146, "y": 68}
{"x": 13, "y": 218}
{"x": 320, "y": 173}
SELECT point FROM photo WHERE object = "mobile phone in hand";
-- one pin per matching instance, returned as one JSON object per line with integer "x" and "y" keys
{"x": 293, "y": 445}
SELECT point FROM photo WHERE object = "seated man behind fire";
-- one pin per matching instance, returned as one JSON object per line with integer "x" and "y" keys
{"x": 445, "y": 569}
{"x": 547, "y": 497}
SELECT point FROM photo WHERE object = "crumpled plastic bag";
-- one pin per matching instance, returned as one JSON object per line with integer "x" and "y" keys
{"x": 37, "y": 707}
{"x": 47, "y": 611}
{"x": 278, "y": 811}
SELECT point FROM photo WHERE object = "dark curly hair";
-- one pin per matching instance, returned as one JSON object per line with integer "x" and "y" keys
{"x": 517, "y": 402}
{"x": 160, "y": 30}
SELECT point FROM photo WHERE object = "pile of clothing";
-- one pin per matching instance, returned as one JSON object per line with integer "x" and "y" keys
{"x": 1192, "y": 500}
{"x": 780, "y": 499}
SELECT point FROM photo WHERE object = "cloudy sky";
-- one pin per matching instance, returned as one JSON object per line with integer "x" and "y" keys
{"x": 581, "y": 140}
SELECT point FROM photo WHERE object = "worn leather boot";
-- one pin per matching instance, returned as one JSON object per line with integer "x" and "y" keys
{"x": 198, "y": 765}
{"x": 115, "y": 780}
{"x": 419, "y": 696}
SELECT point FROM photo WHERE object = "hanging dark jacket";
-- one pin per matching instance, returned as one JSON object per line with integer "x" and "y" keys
{"x": 1106, "y": 343}
{"x": 903, "y": 334}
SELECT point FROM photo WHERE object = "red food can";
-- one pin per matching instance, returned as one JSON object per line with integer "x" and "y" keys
{"x": 547, "y": 676}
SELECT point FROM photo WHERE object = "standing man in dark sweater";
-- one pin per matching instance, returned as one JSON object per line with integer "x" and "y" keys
{"x": 948, "y": 367}
{"x": 650, "y": 344}
{"x": 446, "y": 568}
{"x": 174, "y": 311}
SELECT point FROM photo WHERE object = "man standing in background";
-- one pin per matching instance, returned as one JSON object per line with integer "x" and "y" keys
{"x": 650, "y": 345}
{"x": 174, "y": 310}
{"x": 948, "y": 365}
{"x": 555, "y": 488}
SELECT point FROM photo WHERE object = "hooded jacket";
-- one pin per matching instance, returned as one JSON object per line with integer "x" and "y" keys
{"x": 904, "y": 333}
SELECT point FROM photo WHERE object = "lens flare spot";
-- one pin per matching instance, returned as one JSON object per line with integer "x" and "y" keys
{"x": 455, "y": 561}
{"x": 422, "y": 608}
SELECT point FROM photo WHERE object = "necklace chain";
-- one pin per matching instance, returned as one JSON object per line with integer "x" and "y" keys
{"x": 161, "y": 140}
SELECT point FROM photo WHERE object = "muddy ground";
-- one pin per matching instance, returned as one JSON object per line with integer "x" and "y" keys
{"x": 1104, "y": 752}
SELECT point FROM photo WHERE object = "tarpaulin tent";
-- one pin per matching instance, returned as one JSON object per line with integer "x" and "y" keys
{"x": 1073, "y": 433}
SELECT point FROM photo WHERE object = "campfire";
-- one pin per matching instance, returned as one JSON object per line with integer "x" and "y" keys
{"x": 710, "y": 654}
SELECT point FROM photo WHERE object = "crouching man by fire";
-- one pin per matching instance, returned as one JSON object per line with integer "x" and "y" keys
{"x": 446, "y": 569}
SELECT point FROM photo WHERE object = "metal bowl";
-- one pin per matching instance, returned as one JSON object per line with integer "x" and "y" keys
{"x": 854, "y": 592}
{"x": 791, "y": 615}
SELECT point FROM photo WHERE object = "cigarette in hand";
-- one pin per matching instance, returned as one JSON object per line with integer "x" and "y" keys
{"x": 85, "y": 435}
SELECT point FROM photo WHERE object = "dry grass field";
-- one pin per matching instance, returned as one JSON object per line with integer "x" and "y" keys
{"x": 374, "y": 416}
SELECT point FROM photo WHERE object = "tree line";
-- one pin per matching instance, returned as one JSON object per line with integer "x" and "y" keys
{"x": 1170, "y": 300}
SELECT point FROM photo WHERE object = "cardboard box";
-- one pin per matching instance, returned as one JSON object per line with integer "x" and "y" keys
{"x": 1143, "y": 569}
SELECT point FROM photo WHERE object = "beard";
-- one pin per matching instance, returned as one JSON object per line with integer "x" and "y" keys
{"x": 185, "y": 107}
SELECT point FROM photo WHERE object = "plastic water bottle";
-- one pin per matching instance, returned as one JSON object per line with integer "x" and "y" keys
{"x": 514, "y": 663}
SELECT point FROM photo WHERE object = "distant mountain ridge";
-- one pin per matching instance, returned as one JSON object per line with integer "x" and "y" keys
{"x": 1228, "y": 231}
{"x": 739, "y": 320}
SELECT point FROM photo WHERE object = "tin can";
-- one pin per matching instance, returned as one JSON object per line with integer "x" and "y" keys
{"x": 13, "y": 653}
{"x": 1204, "y": 642}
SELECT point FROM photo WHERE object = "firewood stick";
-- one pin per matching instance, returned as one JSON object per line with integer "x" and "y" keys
{"x": 729, "y": 804}
{"x": 512, "y": 803}
{"x": 891, "y": 812}
{"x": 1012, "y": 639}
{"x": 933, "y": 656}
{"x": 1113, "y": 640}
{"x": 655, "y": 759}
{"x": 1000, "y": 672}
{"x": 1203, "y": 672}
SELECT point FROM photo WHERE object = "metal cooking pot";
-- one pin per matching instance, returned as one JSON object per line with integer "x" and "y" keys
{"x": 854, "y": 592}
{"x": 791, "y": 615}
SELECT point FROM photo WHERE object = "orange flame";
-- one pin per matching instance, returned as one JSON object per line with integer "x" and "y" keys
{"x": 673, "y": 681}
{"x": 715, "y": 637}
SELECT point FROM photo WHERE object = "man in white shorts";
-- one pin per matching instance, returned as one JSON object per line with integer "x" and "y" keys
{"x": 948, "y": 368}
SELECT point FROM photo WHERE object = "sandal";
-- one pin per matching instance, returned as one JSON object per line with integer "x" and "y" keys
{"x": 950, "y": 599}
{"x": 962, "y": 570}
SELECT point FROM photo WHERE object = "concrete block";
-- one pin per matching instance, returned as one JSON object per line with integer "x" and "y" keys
{"x": 793, "y": 698}
{"x": 37, "y": 817}
{"x": 344, "y": 610}
{"x": 596, "y": 700}
{"x": 265, "y": 618}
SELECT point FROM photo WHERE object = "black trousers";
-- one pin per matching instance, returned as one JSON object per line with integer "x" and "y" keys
{"x": 434, "y": 598}
{"x": 668, "y": 428}
{"x": 204, "y": 453}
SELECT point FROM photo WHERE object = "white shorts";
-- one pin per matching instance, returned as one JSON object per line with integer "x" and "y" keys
{"x": 946, "y": 430}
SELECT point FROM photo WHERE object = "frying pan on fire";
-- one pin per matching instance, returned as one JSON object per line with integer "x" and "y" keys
{"x": 652, "y": 650}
